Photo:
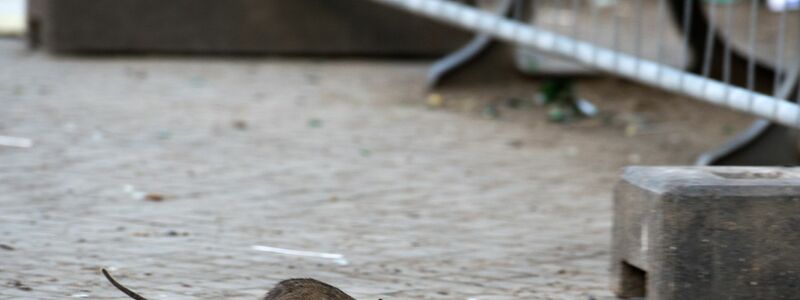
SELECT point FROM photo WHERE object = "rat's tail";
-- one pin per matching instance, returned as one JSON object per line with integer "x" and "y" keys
{"x": 121, "y": 287}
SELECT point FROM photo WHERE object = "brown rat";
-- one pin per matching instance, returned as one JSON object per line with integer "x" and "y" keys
{"x": 290, "y": 289}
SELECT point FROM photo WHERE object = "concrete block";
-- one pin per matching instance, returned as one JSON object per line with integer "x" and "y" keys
{"x": 707, "y": 233}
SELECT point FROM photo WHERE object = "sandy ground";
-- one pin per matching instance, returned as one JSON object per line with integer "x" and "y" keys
{"x": 338, "y": 156}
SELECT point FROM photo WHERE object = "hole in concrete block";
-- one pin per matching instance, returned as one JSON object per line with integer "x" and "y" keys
{"x": 634, "y": 281}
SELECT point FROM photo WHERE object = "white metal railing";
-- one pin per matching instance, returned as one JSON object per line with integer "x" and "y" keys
{"x": 634, "y": 67}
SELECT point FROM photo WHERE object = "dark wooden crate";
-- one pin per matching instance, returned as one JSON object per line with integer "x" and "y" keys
{"x": 318, "y": 27}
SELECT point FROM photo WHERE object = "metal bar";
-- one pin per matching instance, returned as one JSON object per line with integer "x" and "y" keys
{"x": 603, "y": 59}
{"x": 751, "y": 52}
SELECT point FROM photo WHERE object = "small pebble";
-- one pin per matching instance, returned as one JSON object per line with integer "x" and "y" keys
{"x": 314, "y": 123}
{"x": 435, "y": 100}
{"x": 154, "y": 197}
{"x": 240, "y": 124}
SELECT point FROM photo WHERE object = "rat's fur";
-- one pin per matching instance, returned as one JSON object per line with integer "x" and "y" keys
{"x": 305, "y": 289}
{"x": 290, "y": 289}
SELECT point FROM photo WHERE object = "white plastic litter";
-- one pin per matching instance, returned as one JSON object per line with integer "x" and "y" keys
{"x": 336, "y": 257}
{"x": 135, "y": 194}
{"x": 12, "y": 141}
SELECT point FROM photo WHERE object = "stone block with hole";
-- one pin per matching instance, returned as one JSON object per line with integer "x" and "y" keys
{"x": 707, "y": 233}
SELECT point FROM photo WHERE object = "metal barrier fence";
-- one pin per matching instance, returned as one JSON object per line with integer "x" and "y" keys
{"x": 736, "y": 54}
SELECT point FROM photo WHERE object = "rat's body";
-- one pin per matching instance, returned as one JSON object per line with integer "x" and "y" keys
{"x": 305, "y": 289}
{"x": 290, "y": 289}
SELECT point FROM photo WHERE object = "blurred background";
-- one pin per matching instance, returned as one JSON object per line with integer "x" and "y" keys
{"x": 205, "y": 149}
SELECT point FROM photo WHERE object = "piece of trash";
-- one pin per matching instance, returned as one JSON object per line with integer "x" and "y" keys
{"x": 240, "y": 124}
{"x": 154, "y": 197}
{"x": 435, "y": 100}
{"x": 133, "y": 192}
{"x": 337, "y": 258}
{"x": 20, "y": 286}
{"x": 562, "y": 102}
{"x": 314, "y": 123}
{"x": 6, "y": 247}
{"x": 364, "y": 152}
{"x": 586, "y": 108}
{"x": 12, "y": 141}
{"x": 556, "y": 114}
{"x": 80, "y": 295}
{"x": 176, "y": 233}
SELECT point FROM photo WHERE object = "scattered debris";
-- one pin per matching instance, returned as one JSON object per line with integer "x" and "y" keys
{"x": 586, "y": 108}
{"x": 564, "y": 106}
{"x": 435, "y": 100}
{"x": 12, "y": 141}
{"x": 314, "y": 123}
{"x": 154, "y": 197}
{"x": 133, "y": 192}
{"x": 337, "y": 258}
{"x": 20, "y": 286}
{"x": 6, "y": 247}
{"x": 559, "y": 115}
{"x": 176, "y": 233}
{"x": 240, "y": 124}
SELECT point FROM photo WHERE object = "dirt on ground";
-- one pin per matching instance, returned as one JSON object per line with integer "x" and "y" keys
{"x": 208, "y": 178}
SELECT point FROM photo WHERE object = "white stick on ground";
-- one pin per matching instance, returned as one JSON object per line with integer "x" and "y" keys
{"x": 12, "y": 141}
{"x": 336, "y": 257}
